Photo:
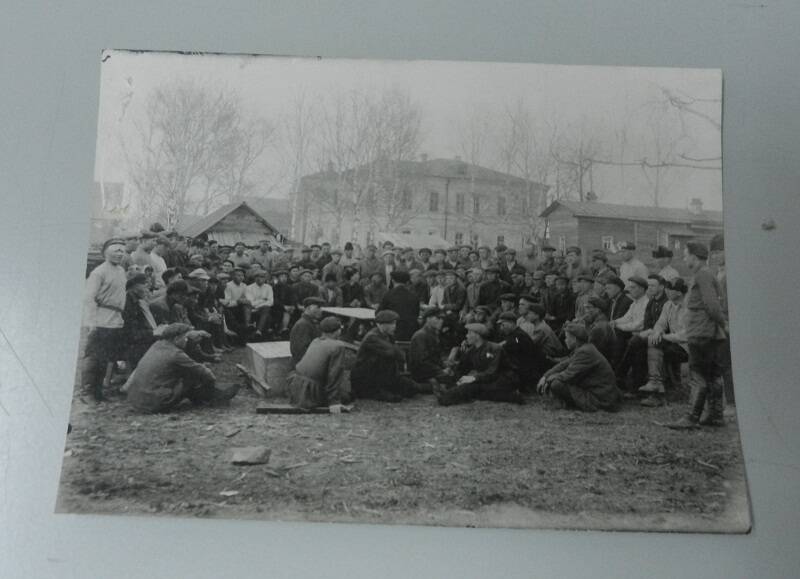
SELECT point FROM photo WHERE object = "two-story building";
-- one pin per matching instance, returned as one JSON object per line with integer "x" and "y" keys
{"x": 448, "y": 198}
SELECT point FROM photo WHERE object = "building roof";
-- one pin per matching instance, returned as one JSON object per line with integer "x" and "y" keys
{"x": 633, "y": 212}
{"x": 442, "y": 168}
{"x": 195, "y": 227}
{"x": 413, "y": 240}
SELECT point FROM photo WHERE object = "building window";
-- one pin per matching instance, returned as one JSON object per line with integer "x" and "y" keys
{"x": 406, "y": 201}
{"x": 476, "y": 204}
{"x": 501, "y": 240}
{"x": 459, "y": 238}
{"x": 370, "y": 237}
{"x": 406, "y": 232}
{"x": 459, "y": 203}
{"x": 476, "y": 240}
{"x": 501, "y": 205}
{"x": 607, "y": 242}
{"x": 434, "y": 202}
{"x": 562, "y": 244}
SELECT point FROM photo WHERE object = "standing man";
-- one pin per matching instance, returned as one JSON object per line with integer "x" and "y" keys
{"x": 663, "y": 257}
{"x": 348, "y": 260}
{"x": 141, "y": 256}
{"x": 491, "y": 290}
{"x": 510, "y": 266}
{"x": 334, "y": 266}
{"x": 320, "y": 378}
{"x": 157, "y": 254}
{"x": 548, "y": 264}
{"x": 630, "y": 266}
{"x": 239, "y": 257}
{"x": 404, "y": 303}
{"x": 105, "y": 302}
{"x": 263, "y": 255}
{"x": 376, "y": 372}
{"x": 306, "y": 329}
{"x": 370, "y": 265}
{"x": 706, "y": 332}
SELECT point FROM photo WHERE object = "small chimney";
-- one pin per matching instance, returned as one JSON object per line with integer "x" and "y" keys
{"x": 423, "y": 157}
{"x": 695, "y": 206}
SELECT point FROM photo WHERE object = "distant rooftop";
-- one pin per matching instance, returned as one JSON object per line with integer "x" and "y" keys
{"x": 634, "y": 212}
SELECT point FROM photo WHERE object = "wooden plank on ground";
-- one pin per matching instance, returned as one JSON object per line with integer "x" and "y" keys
{"x": 265, "y": 408}
{"x": 259, "y": 386}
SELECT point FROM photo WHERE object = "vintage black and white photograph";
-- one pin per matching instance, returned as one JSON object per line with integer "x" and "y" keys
{"x": 406, "y": 292}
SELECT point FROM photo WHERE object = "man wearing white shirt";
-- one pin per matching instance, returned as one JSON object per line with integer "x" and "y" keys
{"x": 235, "y": 302}
{"x": 157, "y": 260}
{"x": 632, "y": 321}
{"x": 259, "y": 294}
{"x": 630, "y": 266}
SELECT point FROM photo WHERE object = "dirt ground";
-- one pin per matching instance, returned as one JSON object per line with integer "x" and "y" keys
{"x": 479, "y": 464}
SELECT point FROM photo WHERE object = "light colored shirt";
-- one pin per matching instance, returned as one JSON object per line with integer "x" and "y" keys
{"x": 159, "y": 267}
{"x": 105, "y": 296}
{"x": 259, "y": 295}
{"x": 634, "y": 267}
{"x": 633, "y": 320}
{"x": 437, "y": 296}
{"x": 672, "y": 321}
{"x": 233, "y": 293}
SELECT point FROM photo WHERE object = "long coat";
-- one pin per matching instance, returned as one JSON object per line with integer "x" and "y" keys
{"x": 589, "y": 377}
{"x": 377, "y": 362}
{"x": 402, "y": 300}
{"x": 303, "y": 333}
{"x": 425, "y": 355}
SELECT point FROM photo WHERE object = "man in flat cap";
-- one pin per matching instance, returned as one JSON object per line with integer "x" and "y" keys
{"x": 376, "y": 372}
{"x": 716, "y": 260}
{"x": 425, "y": 353}
{"x": 235, "y": 302}
{"x": 375, "y": 290}
{"x": 239, "y": 257}
{"x": 334, "y": 266}
{"x": 601, "y": 334}
{"x": 389, "y": 266}
{"x": 482, "y": 372}
{"x": 630, "y": 266}
{"x": 419, "y": 286}
{"x": 548, "y": 263}
{"x": 618, "y": 300}
{"x": 320, "y": 377}
{"x": 139, "y": 321}
{"x": 306, "y": 261}
{"x": 105, "y": 297}
{"x": 491, "y": 290}
{"x": 370, "y": 264}
{"x": 305, "y": 287}
{"x": 510, "y": 266}
{"x": 349, "y": 259}
{"x": 455, "y": 294}
{"x": 263, "y": 255}
{"x": 166, "y": 375}
{"x": 451, "y": 262}
{"x": 401, "y": 300}
{"x": 306, "y": 329}
{"x": 261, "y": 298}
{"x": 572, "y": 262}
{"x": 141, "y": 257}
{"x": 325, "y": 256}
{"x": 706, "y": 333}
{"x": 485, "y": 260}
{"x": 667, "y": 346}
{"x": 585, "y": 380}
{"x": 663, "y": 257}
{"x": 425, "y": 258}
{"x": 560, "y": 304}
{"x": 521, "y": 355}
{"x": 543, "y": 336}
{"x": 330, "y": 292}
{"x": 585, "y": 285}
{"x": 600, "y": 266}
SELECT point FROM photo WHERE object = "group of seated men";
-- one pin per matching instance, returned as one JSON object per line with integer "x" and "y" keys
{"x": 480, "y": 323}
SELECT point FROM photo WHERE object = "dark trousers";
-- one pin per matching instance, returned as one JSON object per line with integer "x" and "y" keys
{"x": 103, "y": 345}
{"x": 706, "y": 365}
{"x": 504, "y": 389}
{"x": 634, "y": 360}
{"x": 575, "y": 397}
{"x": 378, "y": 388}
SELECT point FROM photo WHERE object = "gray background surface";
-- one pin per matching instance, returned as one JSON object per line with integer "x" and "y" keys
{"x": 49, "y": 69}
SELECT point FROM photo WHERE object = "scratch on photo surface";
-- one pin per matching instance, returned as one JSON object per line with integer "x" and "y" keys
{"x": 27, "y": 372}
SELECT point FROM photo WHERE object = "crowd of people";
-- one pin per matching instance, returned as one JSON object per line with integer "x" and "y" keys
{"x": 463, "y": 323}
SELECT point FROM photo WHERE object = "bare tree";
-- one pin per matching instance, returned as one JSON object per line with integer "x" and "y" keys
{"x": 196, "y": 148}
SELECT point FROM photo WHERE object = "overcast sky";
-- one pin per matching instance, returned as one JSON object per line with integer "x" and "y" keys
{"x": 603, "y": 99}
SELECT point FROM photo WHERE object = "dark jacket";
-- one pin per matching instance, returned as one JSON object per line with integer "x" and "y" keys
{"x": 351, "y": 292}
{"x": 482, "y": 361}
{"x": 165, "y": 311}
{"x": 303, "y": 333}
{"x": 523, "y": 357}
{"x": 402, "y": 300}
{"x": 377, "y": 361}
{"x": 653, "y": 310}
{"x": 425, "y": 355}
{"x": 455, "y": 296}
{"x": 490, "y": 292}
{"x": 601, "y": 334}
{"x": 619, "y": 307}
{"x": 590, "y": 378}
{"x": 505, "y": 272}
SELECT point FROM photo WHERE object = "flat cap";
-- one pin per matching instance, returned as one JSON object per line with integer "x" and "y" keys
{"x": 538, "y": 274}
{"x": 135, "y": 279}
{"x": 613, "y": 279}
{"x": 387, "y": 252}
{"x": 305, "y": 249}
{"x": 640, "y": 281}
{"x": 678, "y": 284}
{"x": 440, "y": 251}
{"x": 113, "y": 241}
{"x": 597, "y": 302}
{"x": 548, "y": 248}
{"x": 479, "y": 329}
{"x": 452, "y": 248}
{"x": 372, "y": 246}
{"x": 175, "y": 330}
{"x": 484, "y": 309}
{"x": 330, "y": 324}
{"x": 432, "y": 312}
{"x": 573, "y": 249}
{"x": 492, "y": 269}
{"x": 511, "y": 251}
{"x": 586, "y": 276}
{"x": 313, "y": 301}
{"x": 316, "y": 246}
{"x": 308, "y": 271}
{"x": 538, "y": 309}
{"x": 400, "y": 276}
{"x": 600, "y": 255}
{"x": 509, "y": 297}
{"x": 431, "y": 273}
{"x": 697, "y": 249}
{"x": 508, "y": 317}
{"x": 386, "y": 317}
{"x": 628, "y": 245}
{"x": 199, "y": 273}
{"x": 425, "y": 250}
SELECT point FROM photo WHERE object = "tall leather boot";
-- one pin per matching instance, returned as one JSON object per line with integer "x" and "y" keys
{"x": 696, "y": 402}
{"x": 655, "y": 367}
{"x": 714, "y": 416}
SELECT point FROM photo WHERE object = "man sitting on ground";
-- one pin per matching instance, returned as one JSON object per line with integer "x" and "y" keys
{"x": 376, "y": 372}
{"x": 425, "y": 356}
{"x": 585, "y": 379}
{"x": 306, "y": 329}
{"x": 166, "y": 375}
{"x": 320, "y": 378}
{"x": 483, "y": 374}
{"x": 523, "y": 357}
